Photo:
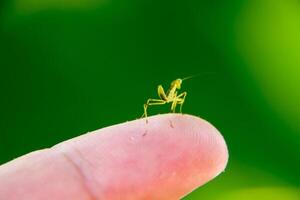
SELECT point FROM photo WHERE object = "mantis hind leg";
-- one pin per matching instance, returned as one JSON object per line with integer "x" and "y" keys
{"x": 151, "y": 102}
{"x": 174, "y": 104}
{"x": 181, "y": 99}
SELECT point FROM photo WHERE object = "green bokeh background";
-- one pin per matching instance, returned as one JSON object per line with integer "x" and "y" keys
{"x": 69, "y": 66}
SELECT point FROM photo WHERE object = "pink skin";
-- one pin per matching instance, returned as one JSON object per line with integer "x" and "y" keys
{"x": 166, "y": 158}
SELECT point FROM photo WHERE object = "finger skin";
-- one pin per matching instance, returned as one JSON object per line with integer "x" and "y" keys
{"x": 166, "y": 158}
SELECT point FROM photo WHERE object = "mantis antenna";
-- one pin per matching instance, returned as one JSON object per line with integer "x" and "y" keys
{"x": 189, "y": 77}
{"x": 196, "y": 75}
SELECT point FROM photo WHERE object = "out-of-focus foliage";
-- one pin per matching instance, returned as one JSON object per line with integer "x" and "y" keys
{"x": 33, "y": 6}
{"x": 268, "y": 33}
{"x": 65, "y": 65}
{"x": 263, "y": 193}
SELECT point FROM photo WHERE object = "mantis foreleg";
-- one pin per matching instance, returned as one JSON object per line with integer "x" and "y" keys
{"x": 151, "y": 102}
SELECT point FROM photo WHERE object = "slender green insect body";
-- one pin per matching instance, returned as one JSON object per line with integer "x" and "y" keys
{"x": 171, "y": 96}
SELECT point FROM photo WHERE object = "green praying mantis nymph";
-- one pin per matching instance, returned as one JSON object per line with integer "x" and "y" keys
{"x": 170, "y": 96}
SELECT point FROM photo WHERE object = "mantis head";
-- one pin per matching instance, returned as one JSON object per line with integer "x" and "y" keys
{"x": 176, "y": 83}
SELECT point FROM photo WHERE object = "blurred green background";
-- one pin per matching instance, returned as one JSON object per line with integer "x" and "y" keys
{"x": 72, "y": 66}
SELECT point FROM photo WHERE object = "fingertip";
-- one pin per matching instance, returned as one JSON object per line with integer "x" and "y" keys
{"x": 204, "y": 147}
{"x": 165, "y": 157}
